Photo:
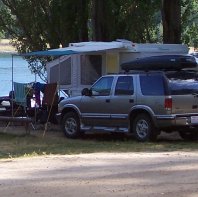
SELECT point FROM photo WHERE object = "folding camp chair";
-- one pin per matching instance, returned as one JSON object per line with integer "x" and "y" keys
{"x": 20, "y": 98}
{"x": 49, "y": 105}
{"x": 50, "y": 100}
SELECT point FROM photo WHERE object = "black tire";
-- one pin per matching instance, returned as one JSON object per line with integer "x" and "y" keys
{"x": 143, "y": 128}
{"x": 71, "y": 125}
{"x": 189, "y": 135}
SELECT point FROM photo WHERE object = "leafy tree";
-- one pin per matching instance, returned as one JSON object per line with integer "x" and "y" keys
{"x": 37, "y": 25}
{"x": 180, "y": 21}
{"x": 139, "y": 20}
{"x": 129, "y": 19}
{"x": 190, "y": 22}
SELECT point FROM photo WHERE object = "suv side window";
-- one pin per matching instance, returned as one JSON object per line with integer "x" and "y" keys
{"x": 152, "y": 85}
{"x": 102, "y": 87}
{"x": 124, "y": 86}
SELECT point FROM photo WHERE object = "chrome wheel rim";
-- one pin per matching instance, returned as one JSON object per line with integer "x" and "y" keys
{"x": 142, "y": 128}
{"x": 70, "y": 126}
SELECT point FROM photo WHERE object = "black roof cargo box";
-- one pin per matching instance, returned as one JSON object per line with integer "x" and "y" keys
{"x": 162, "y": 62}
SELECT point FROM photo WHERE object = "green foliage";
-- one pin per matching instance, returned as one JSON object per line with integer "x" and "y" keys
{"x": 190, "y": 22}
{"x": 38, "y": 25}
{"x": 138, "y": 21}
{"x": 132, "y": 19}
{"x": 2, "y": 35}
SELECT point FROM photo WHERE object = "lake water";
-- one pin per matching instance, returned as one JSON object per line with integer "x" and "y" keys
{"x": 21, "y": 72}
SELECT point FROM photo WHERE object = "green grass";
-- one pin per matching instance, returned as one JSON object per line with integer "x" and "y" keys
{"x": 12, "y": 146}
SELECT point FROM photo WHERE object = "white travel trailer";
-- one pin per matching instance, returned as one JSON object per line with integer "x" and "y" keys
{"x": 89, "y": 60}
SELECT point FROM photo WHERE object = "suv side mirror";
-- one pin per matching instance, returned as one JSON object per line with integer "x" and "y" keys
{"x": 86, "y": 92}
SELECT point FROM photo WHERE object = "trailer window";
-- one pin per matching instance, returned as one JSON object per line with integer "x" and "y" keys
{"x": 91, "y": 68}
{"x": 61, "y": 73}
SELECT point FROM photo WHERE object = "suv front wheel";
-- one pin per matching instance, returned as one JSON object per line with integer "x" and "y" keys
{"x": 143, "y": 128}
{"x": 71, "y": 125}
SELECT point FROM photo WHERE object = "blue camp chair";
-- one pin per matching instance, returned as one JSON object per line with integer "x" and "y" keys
{"x": 20, "y": 96}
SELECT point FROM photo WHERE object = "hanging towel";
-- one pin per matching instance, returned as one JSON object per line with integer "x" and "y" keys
{"x": 38, "y": 87}
{"x": 20, "y": 93}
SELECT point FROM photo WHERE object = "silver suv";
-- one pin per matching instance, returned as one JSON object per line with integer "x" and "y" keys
{"x": 142, "y": 103}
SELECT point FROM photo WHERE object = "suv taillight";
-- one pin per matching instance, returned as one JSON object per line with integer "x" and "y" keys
{"x": 168, "y": 103}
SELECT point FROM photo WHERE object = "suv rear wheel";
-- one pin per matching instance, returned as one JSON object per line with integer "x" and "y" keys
{"x": 143, "y": 128}
{"x": 71, "y": 125}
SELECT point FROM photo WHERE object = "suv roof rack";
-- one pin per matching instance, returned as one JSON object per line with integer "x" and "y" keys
{"x": 162, "y": 62}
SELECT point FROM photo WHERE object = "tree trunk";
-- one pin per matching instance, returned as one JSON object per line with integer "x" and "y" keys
{"x": 98, "y": 20}
{"x": 171, "y": 19}
{"x": 83, "y": 18}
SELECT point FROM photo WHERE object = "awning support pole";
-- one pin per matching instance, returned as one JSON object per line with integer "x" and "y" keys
{"x": 12, "y": 93}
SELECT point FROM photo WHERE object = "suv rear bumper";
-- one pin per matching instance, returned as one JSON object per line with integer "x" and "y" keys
{"x": 175, "y": 120}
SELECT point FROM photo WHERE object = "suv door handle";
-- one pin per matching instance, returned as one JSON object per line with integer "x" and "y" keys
{"x": 131, "y": 100}
{"x": 107, "y": 100}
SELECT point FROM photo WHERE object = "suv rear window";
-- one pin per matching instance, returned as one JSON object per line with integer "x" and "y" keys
{"x": 152, "y": 85}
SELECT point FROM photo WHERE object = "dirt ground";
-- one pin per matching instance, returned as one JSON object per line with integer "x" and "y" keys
{"x": 102, "y": 174}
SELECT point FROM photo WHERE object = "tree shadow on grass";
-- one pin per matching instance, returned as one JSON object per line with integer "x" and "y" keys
{"x": 164, "y": 137}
